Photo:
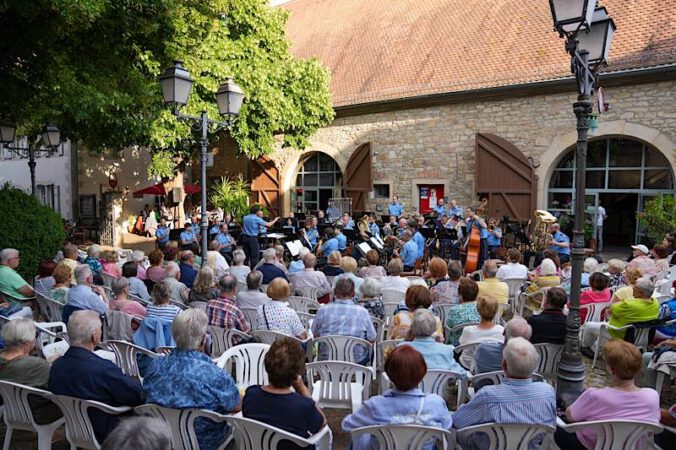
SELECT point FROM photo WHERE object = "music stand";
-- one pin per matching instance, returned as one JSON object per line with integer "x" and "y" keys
{"x": 300, "y": 216}
{"x": 385, "y": 218}
{"x": 351, "y": 235}
{"x": 427, "y": 233}
{"x": 376, "y": 243}
{"x": 364, "y": 248}
{"x": 448, "y": 233}
{"x": 294, "y": 247}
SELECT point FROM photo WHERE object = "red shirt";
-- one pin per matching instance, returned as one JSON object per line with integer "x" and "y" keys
{"x": 592, "y": 297}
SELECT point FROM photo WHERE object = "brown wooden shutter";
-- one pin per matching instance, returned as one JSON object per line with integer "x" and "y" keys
{"x": 265, "y": 184}
{"x": 506, "y": 176}
{"x": 358, "y": 179}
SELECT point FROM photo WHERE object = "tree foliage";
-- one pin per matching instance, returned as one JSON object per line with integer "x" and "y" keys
{"x": 658, "y": 217}
{"x": 91, "y": 67}
{"x": 30, "y": 227}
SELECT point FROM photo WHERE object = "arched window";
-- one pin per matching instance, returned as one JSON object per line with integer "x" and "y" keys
{"x": 318, "y": 179}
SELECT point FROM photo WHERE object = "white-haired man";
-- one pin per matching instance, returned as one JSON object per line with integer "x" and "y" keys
{"x": 270, "y": 268}
{"x": 310, "y": 277}
{"x": 11, "y": 282}
{"x": 179, "y": 291}
{"x": 187, "y": 378}
{"x": 85, "y": 295}
{"x": 81, "y": 373}
{"x": 488, "y": 356}
{"x": 518, "y": 399}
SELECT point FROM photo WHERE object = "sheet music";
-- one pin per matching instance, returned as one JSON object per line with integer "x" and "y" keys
{"x": 294, "y": 247}
{"x": 364, "y": 247}
{"x": 275, "y": 235}
{"x": 376, "y": 244}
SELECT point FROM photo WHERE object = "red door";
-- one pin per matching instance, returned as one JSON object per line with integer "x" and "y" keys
{"x": 429, "y": 195}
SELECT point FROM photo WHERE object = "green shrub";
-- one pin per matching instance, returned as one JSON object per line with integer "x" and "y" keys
{"x": 231, "y": 195}
{"x": 30, "y": 227}
{"x": 658, "y": 217}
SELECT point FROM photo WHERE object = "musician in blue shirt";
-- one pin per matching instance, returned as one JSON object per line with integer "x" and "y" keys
{"x": 409, "y": 251}
{"x": 348, "y": 223}
{"x": 187, "y": 237}
{"x": 341, "y": 238}
{"x": 455, "y": 210}
{"x": 225, "y": 241}
{"x": 331, "y": 244}
{"x": 251, "y": 226}
{"x": 418, "y": 238}
{"x": 162, "y": 234}
{"x": 395, "y": 208}
{"x": 560, "y": 243}
{"x": 494, "y": 237}
{"x": 311, "y": 233}
{"x": 440, "y": 208}
{"x": 473, "y": 220}
{"x": 374, "y": 229}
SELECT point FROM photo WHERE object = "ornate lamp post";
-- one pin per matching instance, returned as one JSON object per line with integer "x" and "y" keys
{"x": 176, "y": 85}
{"x": 588, "y": 32}
{"x": 50, "y": 136}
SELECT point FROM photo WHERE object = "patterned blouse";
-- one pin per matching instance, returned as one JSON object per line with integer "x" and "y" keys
{"x": 372, "y": 271}
{"x": 277, "y": 316}
{"x": 374, "y": 306}
{"x": 462, "y": 313}
{"x": 445, "y": 292}
{"x": 401, "y": 323}
{"x": 59, "y": 294}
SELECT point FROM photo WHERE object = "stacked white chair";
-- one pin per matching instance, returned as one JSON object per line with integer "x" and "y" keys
{"x": 249, "y": 363}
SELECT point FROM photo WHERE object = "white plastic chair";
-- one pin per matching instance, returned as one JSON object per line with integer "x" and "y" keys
{"x": 515, "y": 285}
{"x": 181, "y": 422}
{"x": 338, "y": 384}
{"x": 662, "y": 377}
{"x": 306, "y": 319}
{"x": 251, "y": 315}
{"x": 390, "y": 307}
{"x": 308, "y": 292}
{"x": 52, "y": 309}
{"x": 379, "y": 326}
{"x": 249, "y": 363}
{"x": 242, "y": 287}
{"x": 18, "y": 415}
{"x": 505, "y": 436}
{"x": 107, "y": 279}
{"x": 302, "y": 304}
{"x": 381, "y": 348}
{"x": 441, "y": 311}
{"x": 549, "y": 354}
{"x": 125, "y": 356}
{"x": 393, "y": 296}
{"x": 472, "y": 346}
{"x": 477, "y": 273}
{"x": 340, "y": 348}
{"x": 641, "y": 336}
{"x": 616, "y": 434}
{"x": 181, "y": 305}
{"x": 435, "y": 381}
{"x": 250, "y": 434}
{"x": 224, "y": 338}
{"x": 268, "y": 337}
{"x": 540, "y": 293}
{"x": 406, "y": 437}
{"x": 51, "y": 339}
{"x": 594, "y": 311}
{"x": 79, "y": 431}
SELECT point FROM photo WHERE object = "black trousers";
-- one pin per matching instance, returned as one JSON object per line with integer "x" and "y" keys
{"x": 568, "y": 441}
{"x": 251, "y": 249}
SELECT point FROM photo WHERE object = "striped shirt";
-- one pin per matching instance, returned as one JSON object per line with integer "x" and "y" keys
{"x": 344, "y": 318}
{"x": 164, "y": 312}
{"x": 512, "y": 401}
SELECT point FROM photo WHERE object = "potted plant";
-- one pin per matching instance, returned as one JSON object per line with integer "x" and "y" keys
{"x": 231, "y": 195}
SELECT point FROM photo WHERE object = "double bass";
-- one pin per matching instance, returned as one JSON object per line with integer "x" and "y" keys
{"x": 473, "y": 248}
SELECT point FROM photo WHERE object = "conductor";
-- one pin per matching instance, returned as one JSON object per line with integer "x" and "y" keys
{"x": 251, "y": 226}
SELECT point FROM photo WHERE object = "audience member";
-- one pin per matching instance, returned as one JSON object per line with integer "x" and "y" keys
{"x": 139, "y": 257}
{"x": 62, "y": 276}
{"x": 252, "y": 297}
{"x": 239, "y": 270}
{"x": 342, "y": 317}
{"x": 278, "y": 405}
{"x": 204, "y": 288}
{"x": 349, "y": 266}
{"x": 309, "y": 277}
{"x": 620, "y": 400}
{"x": 136, "y": 286}
{"x": 491, "y": 286}
{"x": 549, "y": 327}
{"x": 188, "y": 271}
{"x": 121, "y": 302}
{"x": 488, "y": 355}
{"x": 44, "y": 280}
{"x": 70, "y": 257}
{"x": 109, "y": 266}
{"x": 156, "y": 271}
{"x": 394, "y": 280}
{"x": 615, "y": 272}
{"x": 369, "y": 298}
{"x": 270, "y": 267}
{"x": 276, "y": 315}
{"x": 179, "y": 291}
{"x": 661, "y": 255}
{"x": 406, "y": 403}
{"x": 162, "y": 308}
{"x": 517, "y": 399}
{"x": 85, "y": 295}
{"x": 416, "y": 297}
{"x": 373, "y": 269}
{"x": 216, "y": 260}
{"x": 598, "y": 293}
{"x": 93, "y": 259}
{"x": 81, "y": 373}
{"x": 486, "y": 331}
{"x": 187, "y": 378}
{"x": 223, "y": 311}
{"x": 332, "y": 268}
{"x": 513, "y": 269}
{"x": 298, "y": 265}
{"x": 11, "y": 282}
{"x": 631, "y": 276}
{"x": 641, "y": 260}
{"x": 466, "y": 311}
{"x": 444, "y": 289}
{"x": 588, "y": 267}
{"x": 139, "y": 433}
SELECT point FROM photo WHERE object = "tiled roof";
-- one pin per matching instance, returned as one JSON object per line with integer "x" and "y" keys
{"x": 389, "y": 49}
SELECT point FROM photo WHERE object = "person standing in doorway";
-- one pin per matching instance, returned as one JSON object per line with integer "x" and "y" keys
{"x": 600, "y": 217}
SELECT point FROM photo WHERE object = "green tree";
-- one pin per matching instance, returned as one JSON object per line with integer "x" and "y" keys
{"x": 658, "y": 217}
{"x": 30, "y": 227}
{"x": 231, "y": 195}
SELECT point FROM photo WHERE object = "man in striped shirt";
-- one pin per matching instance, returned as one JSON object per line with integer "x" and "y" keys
{"x": 223, "y": 312}
{"x": 516, "y": 400}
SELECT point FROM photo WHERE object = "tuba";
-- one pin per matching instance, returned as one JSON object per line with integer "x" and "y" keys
{"x": 541, "y": 234}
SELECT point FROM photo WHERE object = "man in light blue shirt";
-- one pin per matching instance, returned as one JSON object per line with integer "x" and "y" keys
{"x": 560, "y": 243}
{"x": 395, "y": 208}
{"x": 162, "y": 234}
{"x": 348, "y": 223}
{"x": 440, "y": 208}
{"x": 85, "y": 295}
{"x": 455, "y": 210}
{"x": 187, "y": 237}
{"x": 409, "y": 251}
{"x": 251, "y": 226}
{"x": 225, "y": 241}
{"x": 331, "y": 244}
{"x": 474, "y": 220}
{"x": 341, "y": 238}
{"x": 311, "y": 232}
{"x": 494, "y": 238}
{"x": 418, "y": 238}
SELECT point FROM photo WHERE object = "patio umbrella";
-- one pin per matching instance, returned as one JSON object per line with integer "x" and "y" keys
{"x": 158, "y": 189}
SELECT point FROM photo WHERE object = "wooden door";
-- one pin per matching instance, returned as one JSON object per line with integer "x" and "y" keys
{"x": 358, "y": 179}
{"x": 506, "y": 177}
{"x": 265, "y": 184}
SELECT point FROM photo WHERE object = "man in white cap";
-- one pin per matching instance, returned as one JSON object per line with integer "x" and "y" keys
{"x": 641, "y": 261}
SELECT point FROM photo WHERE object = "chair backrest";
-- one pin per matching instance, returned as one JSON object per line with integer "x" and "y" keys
{"x": 477, "y": 275}
{"x": 594, "y": 311}
{"x": 249, "y": 363}
{"x": 242, "y": 287}
{"x": 441, "y": 311}
{"x": 17, "y": 411}
{"x": 224, "y": 338}
{"x": 549, "y": 354}
{"x": 379, "y": 326}
{"x": 251, "y": 315}
{"x": 507, "y": 436}
{"x": 125, "y": 355}
{"x": 180, "y": 421}
{"x": 459, "y": 328}
{"x": 335, "y": 383}
{"x": 405, "y": 437}
{"x": 305, "y": 319}
{"x": 382, "y": 349}
{"x": 51, "y": 338}
{"x": 268, "y": 337}
{"x": 138, "y": 299}
{"x": 119, "y": 325}
{"x": 393, "y": 296}
{"x": 253, "y": 435}
{"x": 435, "y": 381}
{"x": 619, "y": 434}
{"x": 514, "y": 287}
{"x": 52, "y": 309}
{"x": 303, "y": 304}
{"x": 181, "y": 305}
{"x": 264, "y": 288}
{"x": 107, "y": 279}
{"x": 308, "y": 292}
{"x": 79, "y": 431}
{"x": 340, "y": 348}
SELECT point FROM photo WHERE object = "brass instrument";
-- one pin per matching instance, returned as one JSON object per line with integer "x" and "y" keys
{"x": 363, "y": 226}
{"x": 541, "y": 235}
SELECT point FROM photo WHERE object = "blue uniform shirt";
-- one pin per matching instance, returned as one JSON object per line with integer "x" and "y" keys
{"x": 395, "y": 209}
{"x": 350, "y": 225}
{"x": 223, "y": 238}
{"x": 409, "y": 253}
{"x": 561, "y": 237}
{"x": 187, "y": 236}
{"x": 493, "y": 240}
{"x": 214, "y": 229}
{"x": 373, "y": 228}
{"x": 251, "y": 225}
{"x": 330, "y": 246}
{"x": 420, "y": 243}
{"x": 440, "y": 209}
{"x": 455, "y": 211}
{"x": 342, "y": 241}
{"x": 162, "y": 235}
{"x": 484, "y": 231}
{"x": 312, "y": 235}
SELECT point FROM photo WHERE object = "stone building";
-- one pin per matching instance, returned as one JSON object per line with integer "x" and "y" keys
{"x": 465, "y": 99}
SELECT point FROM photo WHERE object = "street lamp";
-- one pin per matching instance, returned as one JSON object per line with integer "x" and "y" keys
{"x": 51, "y": 138}
{"x": 588, "y": 32}
{"x": 176, "y": 85}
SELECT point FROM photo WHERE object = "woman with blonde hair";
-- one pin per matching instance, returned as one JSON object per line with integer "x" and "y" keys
{"x": 373, "y": 269}
{"x": 332, "y": 268}
{"x": 349, "y": 266}
{"x": 276, "y": 315}
{"x": 485, "y": 331}
{"x": 204, "y": 288}
{"x": 62, "y": 276}
{"x": 631, "y": 276}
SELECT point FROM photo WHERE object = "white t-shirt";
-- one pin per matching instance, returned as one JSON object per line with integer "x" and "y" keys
{"x": 474, "y": 334}
{"x": 512, "y": 270}
{"x": 600, "y": 215}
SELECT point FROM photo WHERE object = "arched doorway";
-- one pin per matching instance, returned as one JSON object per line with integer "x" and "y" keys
{"x": 622, "y": 174}
{"x": 318, "y": 178}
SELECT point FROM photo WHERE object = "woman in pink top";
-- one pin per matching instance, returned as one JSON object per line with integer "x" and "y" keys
{"x": 156, "y": 272}
{"x": 121, "y": 302}
{"x": 599, "y": 292}
{"x": 110, "y": 266}
{"x": 621, "y": 400}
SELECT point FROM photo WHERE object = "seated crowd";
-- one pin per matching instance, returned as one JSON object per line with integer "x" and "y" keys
{"x": 175, "y": 302}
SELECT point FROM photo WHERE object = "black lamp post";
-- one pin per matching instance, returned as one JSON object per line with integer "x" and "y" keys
{"x": 176, "y": 85}
{"x": 51, "y": 138}
{"x": 588, "y": 32}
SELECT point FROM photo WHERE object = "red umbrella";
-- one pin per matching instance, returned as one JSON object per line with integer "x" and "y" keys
{"x": 191, "y": 189}
{"x": 158, "y": 189}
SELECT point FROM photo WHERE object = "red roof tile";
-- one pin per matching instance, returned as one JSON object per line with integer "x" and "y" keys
{"x": 388, "y": 49}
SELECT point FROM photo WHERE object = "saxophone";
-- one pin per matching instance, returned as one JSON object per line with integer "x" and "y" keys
{"x": 541, "y": 234}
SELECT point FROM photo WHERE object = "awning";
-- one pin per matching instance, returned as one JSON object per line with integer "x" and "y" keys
{"x": 158, "y": 189}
